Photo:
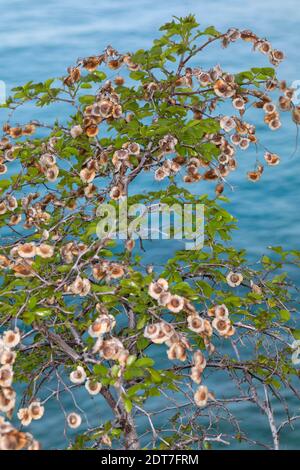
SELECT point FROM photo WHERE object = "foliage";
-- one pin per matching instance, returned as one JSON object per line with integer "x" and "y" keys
{"x": 62, "y": 286}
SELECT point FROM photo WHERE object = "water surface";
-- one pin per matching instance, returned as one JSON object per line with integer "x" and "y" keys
{"x": 39, "y": 40}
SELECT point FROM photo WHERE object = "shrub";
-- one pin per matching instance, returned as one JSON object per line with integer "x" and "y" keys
{"x": 84, "y": 311}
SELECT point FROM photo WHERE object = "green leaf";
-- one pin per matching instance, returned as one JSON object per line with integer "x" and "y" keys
{"x": 100, "y": 369}
{"x": 285, "y": 315}
{"x": 42, "y": 312}
{"x": 156, "y": 376}
{"x": 127, "y": 404}
{"x": 87, "y": 99}
{"x": 133, "y": 372}
{"x": 211, "y": 31}
{"x": 144, "y": 362}
{"x": 32, "y": 302}
{"x": 296, "y": 333}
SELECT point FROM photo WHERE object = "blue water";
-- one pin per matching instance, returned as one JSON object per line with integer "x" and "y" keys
{"x": 40, "y": 39}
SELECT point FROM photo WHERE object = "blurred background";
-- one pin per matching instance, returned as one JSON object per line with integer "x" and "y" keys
{"x": 39, "y": 40}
